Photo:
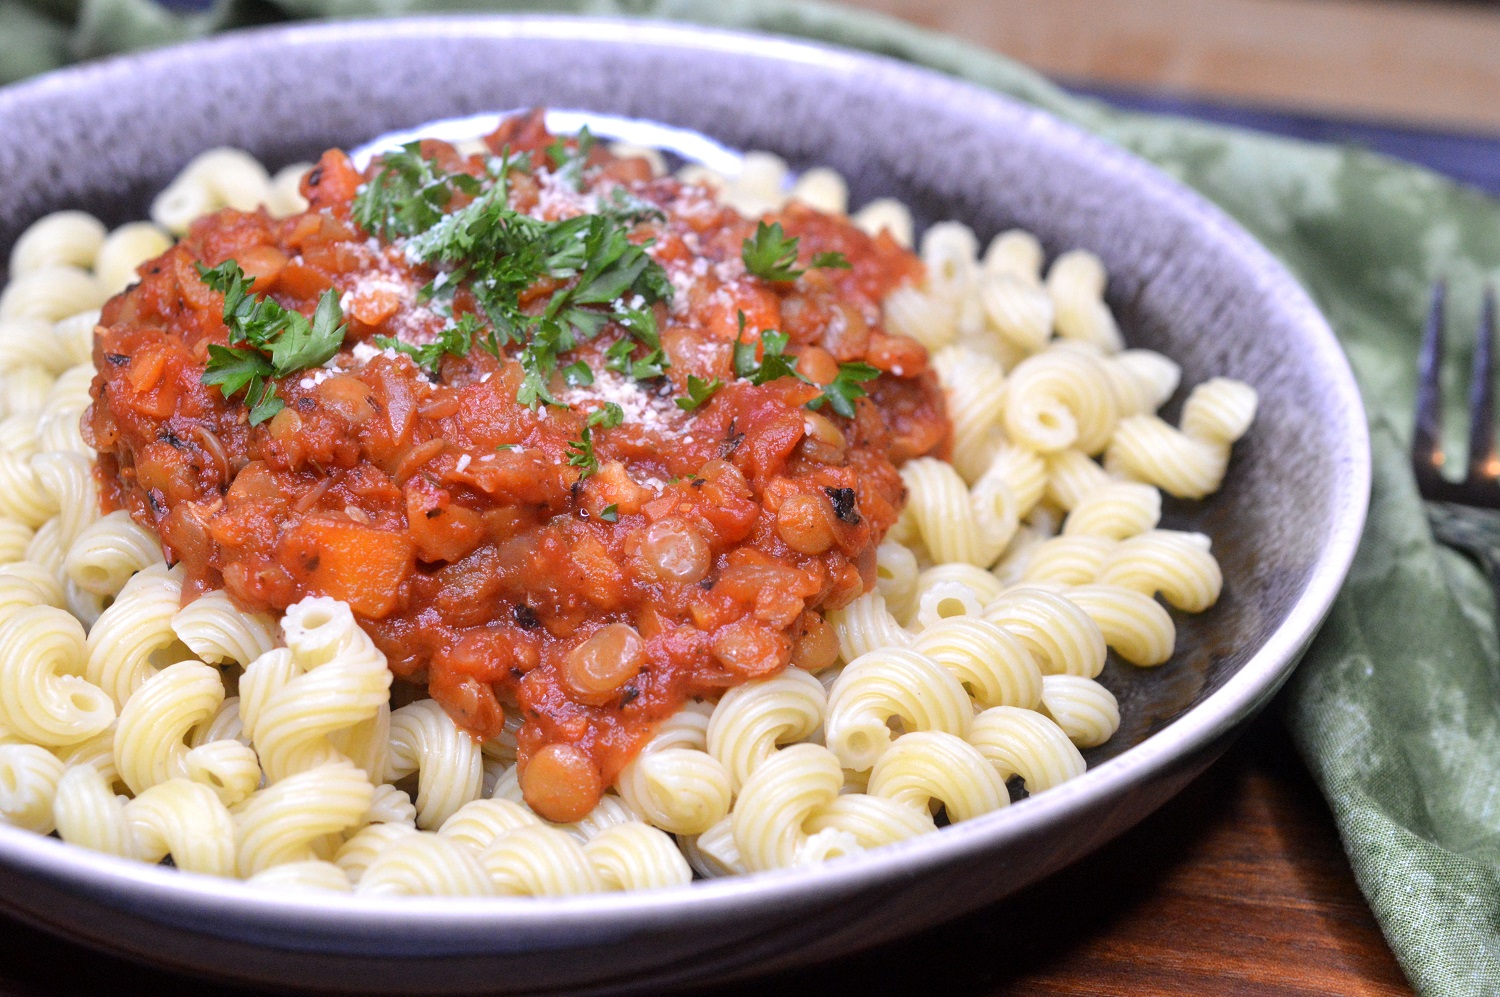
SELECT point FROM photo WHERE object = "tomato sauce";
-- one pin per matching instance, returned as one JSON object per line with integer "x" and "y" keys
{"x": 700, "y": 554}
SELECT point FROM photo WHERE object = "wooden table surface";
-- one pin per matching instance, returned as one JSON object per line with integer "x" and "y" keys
{"x": 1237, "y": 887}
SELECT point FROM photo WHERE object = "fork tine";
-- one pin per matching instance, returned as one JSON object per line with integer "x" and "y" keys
{"x": 1483, "y": 465}
{"x": 1426, "y": 448}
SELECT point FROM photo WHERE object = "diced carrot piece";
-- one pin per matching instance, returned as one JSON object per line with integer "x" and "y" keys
{"x": 356, "y": 564}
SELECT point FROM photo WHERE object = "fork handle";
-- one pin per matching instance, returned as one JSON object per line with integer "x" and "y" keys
{"x": 1476, "y": 532}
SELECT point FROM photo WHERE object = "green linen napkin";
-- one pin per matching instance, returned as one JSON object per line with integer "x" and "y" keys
{"x": 1396, "y": 707}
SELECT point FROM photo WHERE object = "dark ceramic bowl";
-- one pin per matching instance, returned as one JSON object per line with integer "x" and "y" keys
{"x": 1184, "y": 280}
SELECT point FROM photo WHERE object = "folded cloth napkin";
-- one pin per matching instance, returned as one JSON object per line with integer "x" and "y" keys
{"x": 1396, "y": 707}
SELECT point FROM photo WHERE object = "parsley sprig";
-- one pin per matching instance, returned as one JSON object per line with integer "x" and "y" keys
{"x": 408, "y": 195}
{"x": 699, "y": 391}
{"x": 599, "y": 274}
{"x": 277, "y": 342}
{"x": 455, "y": 339}
{"x": 581, "y": 451}
{"x": 770, "y": 255}
{"x": 773, "y": 362}
{"x": 840, "y": 393}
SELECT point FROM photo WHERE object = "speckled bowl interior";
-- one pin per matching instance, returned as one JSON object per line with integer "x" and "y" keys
{"x": 1183, "y": 280}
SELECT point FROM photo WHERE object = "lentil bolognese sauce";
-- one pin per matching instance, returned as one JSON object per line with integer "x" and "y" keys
{"x": 573, "y": 442}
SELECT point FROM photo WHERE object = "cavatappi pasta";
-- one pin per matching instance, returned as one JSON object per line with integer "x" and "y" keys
{"x": 239, "y": 745}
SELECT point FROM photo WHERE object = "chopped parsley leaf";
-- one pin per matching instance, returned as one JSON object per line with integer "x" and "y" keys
{"x": 259, "y": 326}
{"x": 578, "y": 374}
{"x": 582, "y": 454}
{"x": 408, "y": 195}
{"x": 456, "y": 338}
{"x": 620, "y": 359}
{"x": 774, "y": 363}
{"x": 568, "y": 162}
{"x": 699, "y": 391}
{"x": 610, "y": 513}
{"x": 841, "y": 392}
{"x": 770, "y": 255}
{"x": 608, "y": 417}
{"x": 498, "y": 253}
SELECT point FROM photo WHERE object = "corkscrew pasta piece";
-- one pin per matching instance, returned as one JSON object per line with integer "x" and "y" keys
{"x": 1071, "y": 476}
{"x": 713, "y": 853}
{"x": 823, "y": 189}
{"x": 43, "y": 697}
{"x": 150, "y": 744}
{"x": 675, "y": 783}
{"x": 1060, "y": 398}
{"x": 866, "y": 625}
{"x": 186, "y": 821}
{"x": 1027, "y": 744}
{"x": 1219, "y": 410}
{"x": 1174, "y": 564}
{"x": 447, "y": 761}
{"x": 31, "y": 342}
{"x": 924, "y": 768}
{"x": 51, "y": 293}
{"x": 885, "y": 214}
{"x": 896, "y": 573}
{"x": 1019, "y": 312}
{"x": 285, "y": 194}
{"x": 29, "y": 775}
{"x": 753, "y": 720}
{"x": 1134, "y": 626}
{"x": 357, "y": 853}
{"x": 948, "y": 590}
{"x": 636, "y": 856}
{"x": 125, "y": 249}
{"x": 1188, "y": 462}
{"x": 479, "y": 822}
{"x": 63, "y": 238}
{"x": 536, "y": 860}
{"x": 1085, "y": 710}
{"x": 776, "y": 802}
{"x": 956, "y": 524}
{"x": 994, "y": 668}
{"x": 1076, "y": 283}
{"x": 1062, "y": 637}
{"x": 14, "y": 540}
{"x": 134, "y": 636}
{"x": 872, "y": 821}
{"x": 929, "y": 318}
{"x": 1143, "y": 380}
{"x": 1066, "y": 560}
{"x": 975, "y": 386}
{"x": 218, "y": 631}
{"x": 228, "y": 767}
{"x": 324, "y": 697}
{"x": 1115, "y": 510}
{"x": 885, "y": 684}
{"x": 950, "y": 252}
{"x": 310, "y": 876}
{"x": 1145, "y": 448}
{"x": 1022, "y": 472}
{"x": 292, "y": 820}
{"x": 218, "y": 178}
{"x": 87, "y": 812}
{"x": 422, "y": 864}
{"x": 23, "y": 498}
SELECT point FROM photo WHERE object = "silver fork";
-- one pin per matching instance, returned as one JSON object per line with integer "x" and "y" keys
{"x": 1464, "y": 514}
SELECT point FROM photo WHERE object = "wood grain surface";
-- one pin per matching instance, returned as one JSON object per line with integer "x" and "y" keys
{"x": 1237, "y": 887}
{"x": 1414, "y": 61}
